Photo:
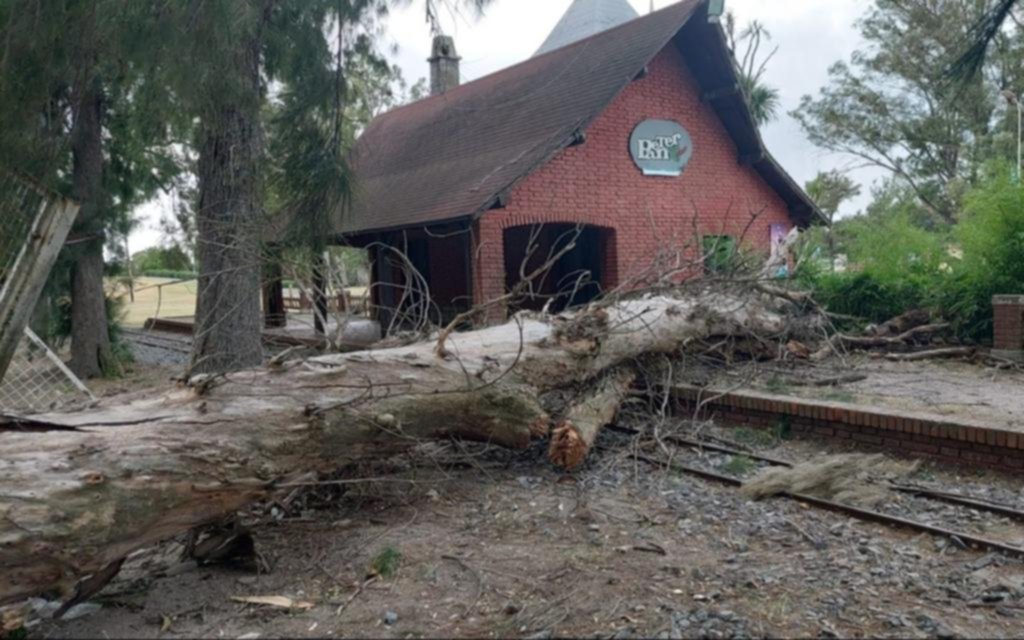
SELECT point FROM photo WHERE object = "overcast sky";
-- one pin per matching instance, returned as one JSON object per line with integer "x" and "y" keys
{"x": 810, "y": 34}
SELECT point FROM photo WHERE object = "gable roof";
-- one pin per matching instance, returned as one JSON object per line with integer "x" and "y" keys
{"x": 585, "y": 18}
{"x": 456, "y": 155}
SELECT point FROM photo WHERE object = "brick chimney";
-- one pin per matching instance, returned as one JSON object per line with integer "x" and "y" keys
{"x": 444, "y": 66}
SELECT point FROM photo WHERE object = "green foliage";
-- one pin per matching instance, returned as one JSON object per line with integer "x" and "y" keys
{"x": 751, "y": 64}
{"x": 982, "y": 35}
{"x": 867, "y": 296}
{"x": 830, "y": 189}
{"x": 739, "y": 465}
{"x": 892, "y": 248}
{"x": 156, "y": 259}
{"x": 891, "y": 105}
{"x": 386, "y": 562}
{"x": 896, "y": 265}
{"x": 991, "y": 237}
{"x": 759, "y": 438}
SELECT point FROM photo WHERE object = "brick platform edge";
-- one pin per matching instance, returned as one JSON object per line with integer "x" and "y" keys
{"x": 892, "y": 431}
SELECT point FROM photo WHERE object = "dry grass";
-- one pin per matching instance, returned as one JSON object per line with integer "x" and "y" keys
{"x": 852, "y": 479}
{"x": 175, "y": 300}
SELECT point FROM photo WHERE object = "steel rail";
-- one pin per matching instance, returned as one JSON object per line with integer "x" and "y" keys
{"x": 961, "y": 500}
{"x": 921, "y": 492}
{"x": 867, "y": 515}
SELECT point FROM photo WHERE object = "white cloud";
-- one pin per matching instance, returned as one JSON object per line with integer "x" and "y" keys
{"x": 811, "y": 36}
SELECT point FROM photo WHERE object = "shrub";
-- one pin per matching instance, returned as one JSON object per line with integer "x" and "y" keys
{"x": 901, "y": 266}
{"x": 867, "y": 296}
{"x": 895, "y": 266}
{"x": 161, "y": 259}
{"x": 991, "y": 237}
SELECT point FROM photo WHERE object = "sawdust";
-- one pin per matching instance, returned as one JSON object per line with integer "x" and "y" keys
{"x": 856, "y": 479}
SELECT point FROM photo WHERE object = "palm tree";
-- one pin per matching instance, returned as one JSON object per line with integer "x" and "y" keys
{"x": 750, "y": 67}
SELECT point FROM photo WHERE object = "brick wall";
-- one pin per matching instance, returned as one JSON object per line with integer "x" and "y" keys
{"x": 867, "y": 428}
{"x": 1008, "y": 323}
{"x": 598, "y": 183}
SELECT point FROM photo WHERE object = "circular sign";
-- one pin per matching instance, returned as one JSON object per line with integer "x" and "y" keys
{"x": 661, "y": 147}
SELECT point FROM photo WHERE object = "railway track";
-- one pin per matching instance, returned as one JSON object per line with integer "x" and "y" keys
{"x": 962, "y": 538}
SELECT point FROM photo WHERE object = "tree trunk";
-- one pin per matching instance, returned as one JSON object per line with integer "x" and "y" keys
{"x": 274, "y": 314}
{"x": 90, "y": 333}
{"x": 320, "y": 308}
{"x": 572, "y": 439}
{"x": 228, "y": 333}
{"x": 79, "y": 492}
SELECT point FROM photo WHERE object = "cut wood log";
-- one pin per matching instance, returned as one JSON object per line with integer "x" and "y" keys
{"x": 79, "y": 492}
{"x": 572, "y": 439}
{"x": 903, "y": 323}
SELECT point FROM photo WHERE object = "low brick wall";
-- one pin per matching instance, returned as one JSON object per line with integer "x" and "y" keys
{"x": 870, "y": 428}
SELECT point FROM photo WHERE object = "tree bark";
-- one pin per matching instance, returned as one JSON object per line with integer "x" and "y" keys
{"x": 320, "y": 304}
{"x": 573, "y": 438}
{"x": 228, "y": 333}
{"x": 90, "y": 331}
{"x": 274, "y": 314}
{"x": 79, "y": 492}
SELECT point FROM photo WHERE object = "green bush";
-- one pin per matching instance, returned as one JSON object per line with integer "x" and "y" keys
{"x": 991, "y": 237}
{"x": 896, "y": 265}
{"x": 162, "y": 259}
{"x": 892, "y": 249}
{"x": 869, "y": 296}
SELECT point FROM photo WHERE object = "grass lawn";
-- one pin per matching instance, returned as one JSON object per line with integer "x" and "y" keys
{"x": 176, "y": 300}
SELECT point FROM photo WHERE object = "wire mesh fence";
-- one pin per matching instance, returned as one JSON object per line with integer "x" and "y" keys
{"x": 20, "y": 204}
{"x": 33, "y": 225}
{"x": 37, "y": 381}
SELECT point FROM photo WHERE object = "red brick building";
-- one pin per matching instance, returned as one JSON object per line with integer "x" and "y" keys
{"x": 464, "y": 181}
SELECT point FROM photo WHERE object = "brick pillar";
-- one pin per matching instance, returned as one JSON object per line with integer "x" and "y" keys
{"x": 489, "y": 267}
{"x": 1009, "y": 327}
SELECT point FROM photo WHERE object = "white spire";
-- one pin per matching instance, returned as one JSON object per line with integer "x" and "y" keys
{"x": 585, "y": 18}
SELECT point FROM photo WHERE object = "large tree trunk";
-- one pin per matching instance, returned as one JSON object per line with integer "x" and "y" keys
{"x": 228, "y": 322}
{"x": 80, "y": 492}
{"x": 90, "y": 333}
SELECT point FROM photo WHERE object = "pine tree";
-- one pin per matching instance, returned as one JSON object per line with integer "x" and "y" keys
{"x": 75, "y": 116}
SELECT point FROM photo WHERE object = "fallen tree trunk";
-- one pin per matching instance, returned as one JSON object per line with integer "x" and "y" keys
{"x": 80, "y": 492}
{"x": 573, "y": 437}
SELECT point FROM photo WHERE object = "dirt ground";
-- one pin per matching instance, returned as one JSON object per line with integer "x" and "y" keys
{"x": 501, "y": 545}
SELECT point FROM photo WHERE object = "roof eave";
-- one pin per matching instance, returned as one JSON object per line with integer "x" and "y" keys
{"x": 732, "y": 106}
